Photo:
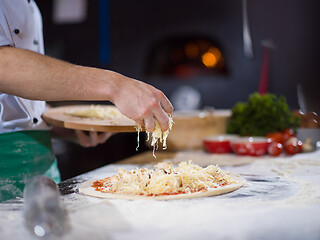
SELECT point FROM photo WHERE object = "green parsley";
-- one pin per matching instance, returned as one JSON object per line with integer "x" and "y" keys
{"x": 262, "y": 114}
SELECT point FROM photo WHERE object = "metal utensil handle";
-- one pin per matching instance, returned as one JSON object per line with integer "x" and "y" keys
{"x": 247, "y": 42}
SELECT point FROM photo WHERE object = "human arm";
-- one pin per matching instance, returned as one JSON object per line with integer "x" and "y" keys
{"x": 34, "y": 76}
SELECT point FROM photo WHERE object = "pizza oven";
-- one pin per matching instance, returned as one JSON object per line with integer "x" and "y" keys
{"x": 184, "y": 57}
{"x": 214, "y": 52}
{"x": 174, "y": 45}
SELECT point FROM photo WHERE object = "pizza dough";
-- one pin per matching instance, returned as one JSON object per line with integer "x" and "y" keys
{"x": 161, "y": 183}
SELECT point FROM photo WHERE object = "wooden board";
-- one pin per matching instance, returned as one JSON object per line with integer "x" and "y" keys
{"x": 59, "y": 117}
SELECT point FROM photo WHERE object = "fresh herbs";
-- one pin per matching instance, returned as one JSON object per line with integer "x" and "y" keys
{"x": 262, "y": 114}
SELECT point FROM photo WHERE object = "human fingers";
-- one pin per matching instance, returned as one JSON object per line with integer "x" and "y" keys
{"x": 94, "y": 139}
{"x": 97, "y": 138}
{"x": 162, "y": 118}
{"x": 103, "y": 136}
{"x": 149, "y": 123}
{"x": 141, "y": 122}
{"x": 83, "y": 138}
{"x": 166, "y": 104}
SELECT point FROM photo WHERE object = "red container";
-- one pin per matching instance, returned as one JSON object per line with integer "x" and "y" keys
{"x": 252, "y": 146}
{"x": 218, "y": 144}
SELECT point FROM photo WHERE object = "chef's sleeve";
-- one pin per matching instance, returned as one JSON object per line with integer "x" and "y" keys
{"x": 5, "y": 39}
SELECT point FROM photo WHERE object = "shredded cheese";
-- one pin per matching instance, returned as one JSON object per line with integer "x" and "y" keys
{"x": 95, "y": 111}
{"x": 165, "y": 179}
{"x": 157, "y": 135}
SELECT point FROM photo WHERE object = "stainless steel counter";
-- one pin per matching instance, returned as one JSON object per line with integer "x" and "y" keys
{"x": 280, "y": 201}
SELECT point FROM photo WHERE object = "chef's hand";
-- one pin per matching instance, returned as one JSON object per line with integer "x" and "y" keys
{"x": 83, "y": 138}
{"x": 90, "y": 138}
{"x": 142, "y": 103}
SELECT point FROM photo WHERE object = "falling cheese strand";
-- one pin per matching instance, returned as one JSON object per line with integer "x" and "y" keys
{"x": 157, "y": 134}
{"x": 138, "y": 129}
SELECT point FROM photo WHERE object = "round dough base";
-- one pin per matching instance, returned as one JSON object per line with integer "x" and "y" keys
{"x": 87, "y": 189}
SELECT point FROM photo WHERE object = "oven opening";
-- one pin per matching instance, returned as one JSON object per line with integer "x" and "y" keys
{"x": 183, "y": 57}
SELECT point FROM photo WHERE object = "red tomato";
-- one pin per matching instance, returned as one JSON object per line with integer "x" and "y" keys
{"x": 287, "y": 133}
{"x": 293, "y": 146}
{"x": 275, "y": 149}
{"x": 276, "y": 137}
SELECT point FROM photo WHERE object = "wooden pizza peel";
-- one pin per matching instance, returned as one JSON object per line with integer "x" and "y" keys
{"x": 59, "y": 117}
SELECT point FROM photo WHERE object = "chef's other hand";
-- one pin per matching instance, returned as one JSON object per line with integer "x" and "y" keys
{"x": 142, "y": 103}
{"x": 90, "y": 138}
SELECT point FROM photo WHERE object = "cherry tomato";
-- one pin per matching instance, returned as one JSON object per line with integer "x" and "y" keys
{"x": 293, "y": 146}
{"x": 287, "y": 133}
{"x": 275, "y": 149}
{"x": 276, "y": 137}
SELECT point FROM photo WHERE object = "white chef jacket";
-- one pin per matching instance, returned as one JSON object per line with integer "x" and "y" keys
{"x": 21, "y": 27}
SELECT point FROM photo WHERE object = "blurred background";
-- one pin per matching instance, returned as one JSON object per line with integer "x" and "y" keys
{"x": 201, "y": 54}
